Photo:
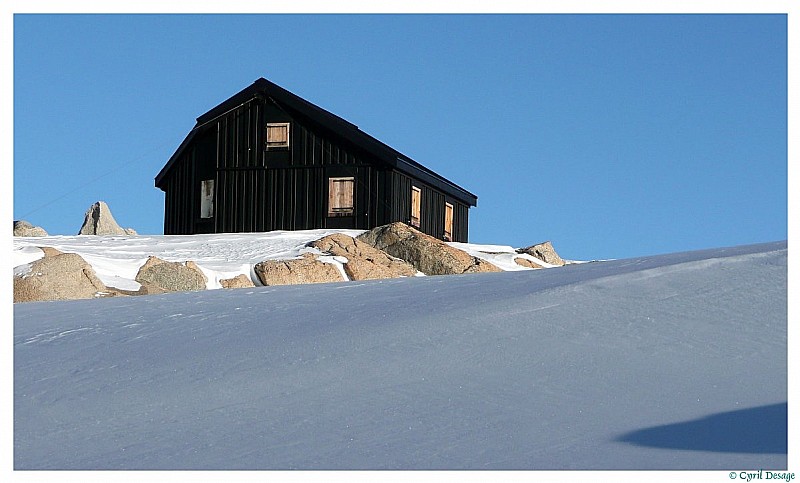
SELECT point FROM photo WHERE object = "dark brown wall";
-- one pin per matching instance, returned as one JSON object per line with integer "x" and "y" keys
{"x": 431, "y": 208}
{"x": 259, "y": 189}
{"x": 179, "y": 200}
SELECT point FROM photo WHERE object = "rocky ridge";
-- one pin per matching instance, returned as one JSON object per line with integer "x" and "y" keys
{"x": 389, "y": 251}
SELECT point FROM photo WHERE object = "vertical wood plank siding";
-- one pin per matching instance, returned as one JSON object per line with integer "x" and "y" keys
{"x": 241, "y": 137}
{"x": 431, "y": 208}
{"x": 179, "y": 199}
{"x": 260, "y": 188}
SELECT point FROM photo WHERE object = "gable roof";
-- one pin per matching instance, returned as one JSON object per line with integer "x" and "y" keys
{"x": 300, "y": 107}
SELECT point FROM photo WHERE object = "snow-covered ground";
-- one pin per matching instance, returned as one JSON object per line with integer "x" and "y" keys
{"x": 667, "y": 362}
{"x": 117, "y": 259}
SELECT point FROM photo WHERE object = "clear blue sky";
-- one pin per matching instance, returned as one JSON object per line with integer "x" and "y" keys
{"x": 611, "y": 135}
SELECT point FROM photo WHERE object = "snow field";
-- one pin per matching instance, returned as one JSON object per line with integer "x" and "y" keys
{"x": 668, "y": 362}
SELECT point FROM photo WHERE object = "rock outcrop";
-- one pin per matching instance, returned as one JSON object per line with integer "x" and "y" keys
{"x": 307, "y": 269}
{"x": 23, "y": 228}
{"x": 364, "y": 262}
{"x": 524, "y": 262}
{"x": 426, "y": 253}
{"x": 544, "y": 252}
{"x": 99, "y": 221}
{"x": 159, "y": 276}
{"x": 58, "y": 276}
{"x": 389, "y": 251}
{"x": 239, "y": 281}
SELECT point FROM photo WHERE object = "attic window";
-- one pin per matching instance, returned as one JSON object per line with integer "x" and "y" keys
{"x": 416, "y": 196}
{"x": 278, "y": 135}
{"x": 340, "y": 196}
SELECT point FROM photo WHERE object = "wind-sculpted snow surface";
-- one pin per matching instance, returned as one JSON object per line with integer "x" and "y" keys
{"x": 666, "y": 362}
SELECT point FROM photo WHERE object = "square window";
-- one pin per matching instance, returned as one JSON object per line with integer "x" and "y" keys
{"x": 340, "y": 196}
{"x": 278, "y": 135}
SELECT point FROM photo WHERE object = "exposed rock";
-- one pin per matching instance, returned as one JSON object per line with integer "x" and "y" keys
{"x": 50, "y": 251}
{"x": 100, "y": 221}
{"x": 544, "y": 252}
{"x": 307, "y": 269}
{"x": 23, "y": 228}
{"x": 113, "y": 291}
{"x": 158, "y": 276}
{"x": 58, "y": 276}
{"x": 481, "y": 266}
{"x": 363, "y": 261}
{"x": 524, "y": 262}
{"x": 239, "y": 281}
{"x": 426, "y": 253}
{"x": 192, "y": 265}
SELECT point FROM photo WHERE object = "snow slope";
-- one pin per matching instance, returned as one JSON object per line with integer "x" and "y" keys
{"x": 667, "y": 362}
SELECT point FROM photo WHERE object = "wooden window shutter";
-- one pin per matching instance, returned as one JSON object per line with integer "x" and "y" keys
{"x": 416, "y": 197}
{"x": 448, "y": 222}
{"x": 340, "y": 196}
{"x": 277, "y": 134}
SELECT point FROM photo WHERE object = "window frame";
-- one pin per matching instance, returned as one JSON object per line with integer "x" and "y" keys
{"x": 207, "y": 199}
{"x": 341, "y": 211}
{"x": 416, "y": 206}
{"x": 448, "y": 207}
{"x": 278, "y": 144}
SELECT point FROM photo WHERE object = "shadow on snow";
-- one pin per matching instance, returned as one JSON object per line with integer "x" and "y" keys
{"x": 758, "y": 430}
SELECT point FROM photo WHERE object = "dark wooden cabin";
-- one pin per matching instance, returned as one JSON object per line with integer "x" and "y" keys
{"x": 266, "y": 159}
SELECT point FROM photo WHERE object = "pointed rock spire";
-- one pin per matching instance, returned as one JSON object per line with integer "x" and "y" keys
{"x": 100, "y": 221}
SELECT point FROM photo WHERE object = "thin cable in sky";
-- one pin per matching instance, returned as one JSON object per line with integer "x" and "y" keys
{"x": 96, "y": 178}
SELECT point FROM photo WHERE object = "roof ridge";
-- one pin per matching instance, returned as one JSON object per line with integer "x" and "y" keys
{"x": 328, "y": 121}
